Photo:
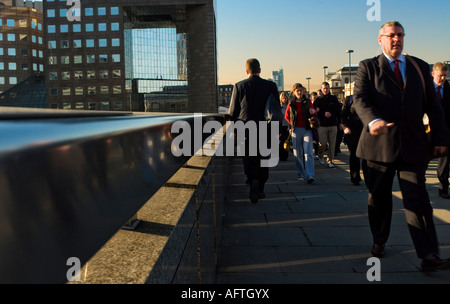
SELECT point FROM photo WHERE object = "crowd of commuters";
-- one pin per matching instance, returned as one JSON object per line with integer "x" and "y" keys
{"x": 384, "y": 137}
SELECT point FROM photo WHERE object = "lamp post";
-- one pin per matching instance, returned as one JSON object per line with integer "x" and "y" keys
{"x": 308, "y": 78}
{"x": 324, "y": 72}
{"x": 350, "y": 69}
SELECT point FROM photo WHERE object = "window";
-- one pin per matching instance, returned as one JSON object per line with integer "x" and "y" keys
{"x": 53, "y": 91}
{"x": 90, "y": 43}
{"x": 11, "y": 52}
{"x": 12, "y": 80}
{"x": 79, "y": 106}
{"x": 33, "y": 38}
{"x": 12, "y": 66}
{"x": 40, "y": 41}
{"x": 51, "y": 44}
{"x": 67, "y": 106}
{"x": 79, "y": 91}
{"x": 90, "y": 74}
{"x": 91, "y": 90}
{"x": 90, "y": 58}
{"x": 114, "y": 10}
{"x": 103, "y": 42}
{"x": 10, "y": 22}
{"x": 89, "y": 27}
{"x": 34, "y": 53}
{"x": 23, "y": 23}
{"x": 77, "y": 43}
{"x": 51, "y": 29}
{"x": 115, "y": 26}
{"x": 115, "y": 57}
{"x": 65, "y": 59}
{"x": 117, "y": 105}
{"x": 66, "y": 91}
{"x": 52, "y": 60}
{"x": 53, "y": 76}
{"x": 50, "y": 13}
{"x": 65, "y": 44}
{"x": 78, "y": 74}
{"x": 103, "y": 58}
{"x": 115, "y": 42}
{"x": 64, "y": 28}
{"x": 41, "y": 67}
{"x": 89, "y": 11}
{"x": 103, "y": 73}
{"x": 24, "y": 66}
{"x": 76, "y": 27}
{"x": 102, "y": 27}
{"x": 104, "y": 90}
{"x": 117, "y": 89}
{"x": 2, "y": 66}
{"x": 104, "y": 106}
{"x": 41, "y": 54}
{"x": 101, "y": 11}
{"x": 65, "y": 75}
{"x": 77, "y": 59}
{"x": 1, "y": 51}
{"x": 11, "y": 37}
{"x": 63, "y": 12}
{"x": 2, "y": 80}
{"x": 92, "y": 106}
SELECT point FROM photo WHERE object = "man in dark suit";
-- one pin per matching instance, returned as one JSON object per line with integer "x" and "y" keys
{"x": 442, "y": 87}
{"x": 390, "y": 100}
{"x": 248, "y": 102}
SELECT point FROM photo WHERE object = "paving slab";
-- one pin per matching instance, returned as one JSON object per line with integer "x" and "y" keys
{"x": 318, "y": 233}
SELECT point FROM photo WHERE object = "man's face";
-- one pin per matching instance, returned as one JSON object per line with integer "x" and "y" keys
{"x": 391, "y": 40}
{"x": 439, "y": 77}
{"x": 325, "y": 89}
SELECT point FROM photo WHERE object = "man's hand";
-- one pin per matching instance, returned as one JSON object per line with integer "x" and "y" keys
{"x": 380, "y": 127}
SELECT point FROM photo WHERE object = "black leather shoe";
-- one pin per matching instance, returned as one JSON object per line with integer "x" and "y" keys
{"x": 435, "y": 264}
{"x": 377, "y": 250}
{"x": 254, "y": 191}
{"x": 444, "y": 195}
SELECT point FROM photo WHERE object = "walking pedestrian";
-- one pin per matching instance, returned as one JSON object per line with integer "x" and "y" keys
{"x": 248, "y": 103}
{"x": 299, "y": 110}
{"x": 389, "y": 99}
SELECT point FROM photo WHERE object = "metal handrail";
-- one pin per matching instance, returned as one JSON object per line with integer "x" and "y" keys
{"x": 69, "y": 181}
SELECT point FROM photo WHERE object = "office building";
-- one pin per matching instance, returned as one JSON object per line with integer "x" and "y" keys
{"x": 21, "y": 42}
{"x": 278, "y": 78}
{"x": 137, "y": 55}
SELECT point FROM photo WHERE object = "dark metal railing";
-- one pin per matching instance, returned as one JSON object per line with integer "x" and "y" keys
{"x": 70, "y": 179}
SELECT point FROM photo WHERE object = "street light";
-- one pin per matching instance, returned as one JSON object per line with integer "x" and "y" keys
{"x": 324, "y": 69}
{"x": 308, "y": 78}
{"x": 350, "y": 68}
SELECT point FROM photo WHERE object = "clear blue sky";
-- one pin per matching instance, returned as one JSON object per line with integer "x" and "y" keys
{"x": 301, "y": 36}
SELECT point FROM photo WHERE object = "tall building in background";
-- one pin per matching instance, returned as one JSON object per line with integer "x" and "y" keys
{"x": 278, "y": 78}
{"x": 131, "y": 55}
{"x": 21, "y": 42}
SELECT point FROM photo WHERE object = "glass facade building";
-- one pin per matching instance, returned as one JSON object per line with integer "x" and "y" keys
{"x": 131, "y": 55}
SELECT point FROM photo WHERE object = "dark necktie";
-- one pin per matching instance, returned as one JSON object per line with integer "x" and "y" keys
{"x": 398, "y": 74}
{"x": 439, "y": 93}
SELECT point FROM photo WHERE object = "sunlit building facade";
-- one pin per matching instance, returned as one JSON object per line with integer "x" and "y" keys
{"x": 21, "y": 42}
{"x": 137, "y": 55}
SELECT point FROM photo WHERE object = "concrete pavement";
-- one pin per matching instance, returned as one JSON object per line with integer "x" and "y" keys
{"x": 318, "y": 233}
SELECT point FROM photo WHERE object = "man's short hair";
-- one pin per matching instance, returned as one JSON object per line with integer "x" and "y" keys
{"x": 325, "y": 83}
{"x": 440, "y": 66}
{"x": 391, "y": 24}
{"x": 253, "y": 66}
